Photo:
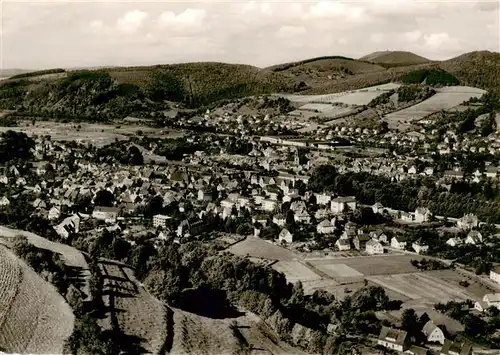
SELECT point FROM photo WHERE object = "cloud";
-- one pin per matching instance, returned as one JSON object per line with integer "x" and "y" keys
{"x": 290, "y": 31}
{"x": 189, "y": 19}
{"x": 437, "y": 40}
{"x": 412, "y": 36}
{"x": 377, "y": 37}
{"x": 131, "y": 22}
{"x": 260, "y": 32}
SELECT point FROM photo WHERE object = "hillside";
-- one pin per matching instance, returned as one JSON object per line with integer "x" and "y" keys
{"x": 394, "y": 57}
{"x": 117, "y": 92}
{"x": 34, "y": 318}
{"x": 113, "y": 93}
{"x": 477, "y": 69}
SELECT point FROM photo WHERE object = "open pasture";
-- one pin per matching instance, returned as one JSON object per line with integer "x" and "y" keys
{"x": 444, "y": 99}
{"x": 365, "y": 265}
{"x": 259, "y": 248}
{"x": 95, "y": 134}
{"x": 296, "y": 271}
{"x": 423, "y": 287}
{"x": 353, "y": 97}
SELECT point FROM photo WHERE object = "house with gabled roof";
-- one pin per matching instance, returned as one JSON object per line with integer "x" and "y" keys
{"x": 325, "y": 227}
{"x": 343, "y": 244}
{"x": 398, "y": 242}
{"x": 422, "y": 215}
{"x": 285, "y": 235}
{"x": 279, "y": 219}
{"x": 393, "y": 339}
{"x": 474, "y": 237}
{"x": 379, "y": 235}
{"x": 360, "y": 241}
{"x": 455, "y": 348}
{"x": 374, "y": 247}
{"x": 419, "y": 246}
{"x": 433, "y": 333}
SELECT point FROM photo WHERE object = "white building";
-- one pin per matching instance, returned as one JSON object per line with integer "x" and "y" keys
{"x": 54, "y": 213}
{"x": 340, "y": 204}
{"x": 107, "y": 214}
{"x": 489, "y": 300}
{"x": 374, "y": 247}
{"x": 343, "y": 244}
{"x": 420, "y": 247}
{"x": 495, "y": 274}
{"x": 279, "y": 220}
{"x": 160, "y": 220}
{"x": 393, "y": 339}
{"x": 433, "y": 333}
{"x": 398, "y": 242}
{"x": 268, "y": 205}
{"x": 422, "y": 215}
{"x": 286, "y": 236}
{"x": 323, "y": 199}
{"x": 325, "y": 227}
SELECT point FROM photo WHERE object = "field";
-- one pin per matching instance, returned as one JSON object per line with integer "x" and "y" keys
{"x": 354, "y": 97}
{"x": 96, "y": 134}
{"x": 428, "y": 287}
{"x": 138, "y": 313}
{"x": 296, "y": 271}
{"x": 71, "y": 256}
{"x": 37, "y": 318}
{"x": 339, "y": 268}
{"x": 259, "y": 248}
{"x": 444, "y": 99}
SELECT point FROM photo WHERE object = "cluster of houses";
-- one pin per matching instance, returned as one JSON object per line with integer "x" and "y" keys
{"x": 399, "y": 340}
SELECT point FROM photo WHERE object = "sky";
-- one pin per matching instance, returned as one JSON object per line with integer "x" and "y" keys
{"x": 38, "y": 34}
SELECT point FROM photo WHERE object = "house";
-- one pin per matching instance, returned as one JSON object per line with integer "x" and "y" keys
{"x": 374, "y": 247}
{"x": 422, "y": 215}
{"x": 360, "y": 241}
{"x": 302, "y": 217}
{"x": 323, "y": 199}
{"x": 54, "y": 213}
{"x": 4, "y": 201}
{"x": 340, "y": 204}
{"x": 378, "y": 208}
{"x": 68, "y": 226}
{"x": 474, "y": 238}
{"x": 203, "y": 195}
{"x": 455, "y": 348}
{"x": 406, "y": 217}
{"x": 160, "y": 220}
{"x": 286, "y": 236}
{"x": 454, "y": 241}
{"x": 468, "y": 221}
{"x": 417, "y": 350}
{"x": 393, "y": 339}
{"x": 489, "y": 300}
{"x": 107, "y": 214}
{"x": 495, "y": 274}
{"x": 379, "y": 235}
{"x": 325, "y": 227}
{"x": 268, "y": 205}
{"x": 343, "y": 244}
{"x": 433, "y": 333}
{"x": 420, "y": 247}
{"x": 398, "y": 242}
{"x": 279, "y": 220}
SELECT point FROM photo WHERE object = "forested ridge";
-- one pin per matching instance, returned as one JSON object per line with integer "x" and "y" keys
{"x": 110, "y": 93}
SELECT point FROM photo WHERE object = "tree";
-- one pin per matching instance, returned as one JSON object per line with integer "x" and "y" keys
{"x": 104, "y": 198}
{"x": 135, "y": 156}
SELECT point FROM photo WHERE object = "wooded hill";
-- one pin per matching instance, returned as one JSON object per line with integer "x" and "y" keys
{"x": 109, "y": 93}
